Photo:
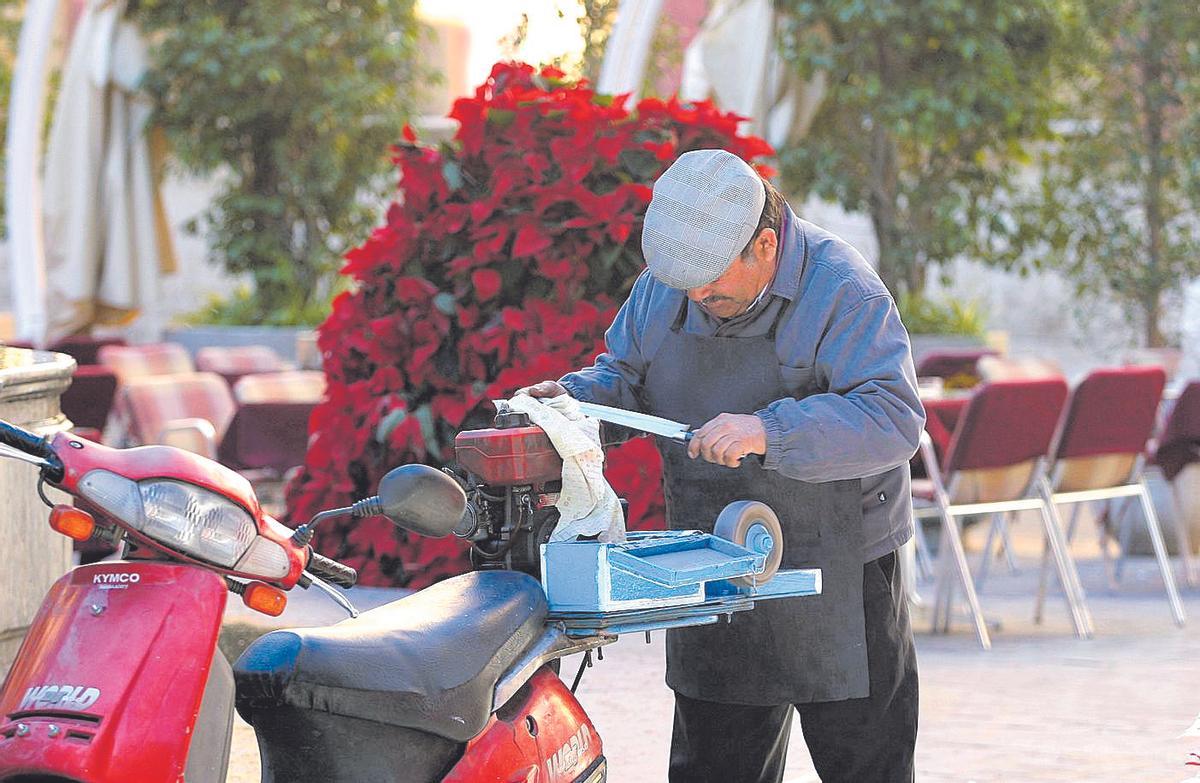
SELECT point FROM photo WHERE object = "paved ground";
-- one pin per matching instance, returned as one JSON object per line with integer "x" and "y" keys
{"x": 1040, "y": 706}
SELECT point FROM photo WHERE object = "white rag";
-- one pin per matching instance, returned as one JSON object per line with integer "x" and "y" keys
{"x": 587, "y": 505}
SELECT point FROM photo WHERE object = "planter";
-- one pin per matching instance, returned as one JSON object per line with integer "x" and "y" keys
{"x": 30, "y": 385}
{"x": 293, "y": 343}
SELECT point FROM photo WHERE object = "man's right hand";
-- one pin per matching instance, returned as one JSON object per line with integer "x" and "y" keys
{"x": 544, "y": 389}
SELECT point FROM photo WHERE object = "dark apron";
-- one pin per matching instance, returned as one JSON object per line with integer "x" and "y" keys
{"x": 791, "y": 650}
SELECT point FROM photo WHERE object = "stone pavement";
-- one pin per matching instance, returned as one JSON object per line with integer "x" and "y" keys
{"x": 1040, "y": 706}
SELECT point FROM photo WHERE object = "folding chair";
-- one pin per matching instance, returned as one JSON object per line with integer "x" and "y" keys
{"x": 188, "y": 410}
{"x": 233, "y": 363}
{"x": 1099, "y": 455}
{"x": 1177, "y": 449}
{"x": 996, "y": 463}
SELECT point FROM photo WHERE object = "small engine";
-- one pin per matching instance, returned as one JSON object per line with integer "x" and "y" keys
{"x": 513, "y": 477}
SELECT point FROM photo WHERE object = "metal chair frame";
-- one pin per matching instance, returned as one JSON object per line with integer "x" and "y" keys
{"x": 952, "y": 560}
{"x": 1133, "y": 487}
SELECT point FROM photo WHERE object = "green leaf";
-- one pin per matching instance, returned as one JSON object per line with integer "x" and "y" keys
{"x": 501, "y": 118}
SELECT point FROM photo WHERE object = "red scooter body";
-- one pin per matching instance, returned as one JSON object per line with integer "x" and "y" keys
{"x": 113, "y": 673}
{"x": 120, "y": 678}
{"x": 541, "y": 736}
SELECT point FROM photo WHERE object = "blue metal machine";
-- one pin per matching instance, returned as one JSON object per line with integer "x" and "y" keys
{"x": 670, "y": 579}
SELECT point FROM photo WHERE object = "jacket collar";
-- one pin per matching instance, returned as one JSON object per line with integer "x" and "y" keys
{"x": 792, "y": 256}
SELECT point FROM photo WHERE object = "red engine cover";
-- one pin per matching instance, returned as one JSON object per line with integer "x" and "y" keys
{"x": 541, "y": 736}
{"x": 116, "y": 661}
{"x": 505, "y": 457}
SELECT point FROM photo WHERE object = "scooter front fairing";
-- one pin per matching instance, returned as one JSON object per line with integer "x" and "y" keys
{"x": 120, "y": 679}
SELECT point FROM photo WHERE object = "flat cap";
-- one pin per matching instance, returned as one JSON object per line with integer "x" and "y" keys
{"x": 703, "y": 212}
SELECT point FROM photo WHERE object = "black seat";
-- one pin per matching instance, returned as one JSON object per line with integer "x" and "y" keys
{"x": 429, "y": 661}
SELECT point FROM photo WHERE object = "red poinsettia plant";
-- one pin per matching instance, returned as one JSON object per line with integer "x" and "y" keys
{"x": 501, "y": 263}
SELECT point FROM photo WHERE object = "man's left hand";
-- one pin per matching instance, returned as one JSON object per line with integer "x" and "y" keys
{"x": 728, "y": 438}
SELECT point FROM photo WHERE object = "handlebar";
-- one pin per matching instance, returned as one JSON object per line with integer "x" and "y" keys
{"x": 33, "y": 444}
{"x": 331, "y": 570}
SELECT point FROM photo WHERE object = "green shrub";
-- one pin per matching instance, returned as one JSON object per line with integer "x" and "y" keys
{"x": 295, "y": 105}
{"x": 923, "y": 315}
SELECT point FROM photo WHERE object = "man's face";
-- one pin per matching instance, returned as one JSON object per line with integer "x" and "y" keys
{"x": 733, "y": 292}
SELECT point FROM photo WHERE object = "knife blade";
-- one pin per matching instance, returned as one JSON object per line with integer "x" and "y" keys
{"x": 643, "y": 422}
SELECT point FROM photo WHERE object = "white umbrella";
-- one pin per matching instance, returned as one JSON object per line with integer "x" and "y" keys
{"x": 107, "y": 240}
{"x": 734, "y": 60}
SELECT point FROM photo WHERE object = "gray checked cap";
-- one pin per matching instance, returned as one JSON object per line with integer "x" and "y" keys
{"x": 703, "y": 212}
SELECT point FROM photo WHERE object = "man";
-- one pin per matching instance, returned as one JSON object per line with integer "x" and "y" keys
{"x": 777, "y": 341}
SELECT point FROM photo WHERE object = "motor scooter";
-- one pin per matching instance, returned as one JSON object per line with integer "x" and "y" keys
{"x": 120, "y": 677}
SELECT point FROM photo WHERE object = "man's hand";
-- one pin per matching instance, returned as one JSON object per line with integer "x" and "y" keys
{"x": 728, "y": 438}
{"x": 544, "y": 389}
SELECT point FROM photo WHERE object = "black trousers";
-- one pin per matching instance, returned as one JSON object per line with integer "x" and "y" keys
{"x": 867, "y": 740}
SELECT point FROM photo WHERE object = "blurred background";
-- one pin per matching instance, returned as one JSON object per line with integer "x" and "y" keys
{"x": 312, "y": 240}
{"x": 1024, "y": 172}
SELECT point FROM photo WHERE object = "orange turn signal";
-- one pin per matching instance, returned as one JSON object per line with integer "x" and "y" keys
{"x": 262, "y": 597}
{"x": 72, "y": 522}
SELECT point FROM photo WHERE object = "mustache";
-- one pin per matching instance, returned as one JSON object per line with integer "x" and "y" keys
{"x": 711, "y": 300}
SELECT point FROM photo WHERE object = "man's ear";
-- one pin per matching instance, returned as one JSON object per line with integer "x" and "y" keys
{"x": 765, "y": 245}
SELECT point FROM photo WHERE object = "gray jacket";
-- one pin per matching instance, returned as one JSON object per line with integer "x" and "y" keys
{"x": 843, "y": 353}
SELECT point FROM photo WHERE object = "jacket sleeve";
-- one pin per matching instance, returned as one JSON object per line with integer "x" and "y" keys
{"x": 869, "y": 420}
{"x": 617, "y": 375}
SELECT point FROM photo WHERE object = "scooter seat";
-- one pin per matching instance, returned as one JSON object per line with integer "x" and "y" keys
{"x": 429, "y": 661}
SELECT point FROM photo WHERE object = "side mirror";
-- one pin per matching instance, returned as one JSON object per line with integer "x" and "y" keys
{"x": 421, "y": 499}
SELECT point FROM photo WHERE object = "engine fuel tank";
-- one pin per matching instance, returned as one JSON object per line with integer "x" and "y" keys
{"x": 510, "y": 456}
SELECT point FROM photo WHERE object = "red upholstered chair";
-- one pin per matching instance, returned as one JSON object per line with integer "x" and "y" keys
{"x": 233, "y": 363}
{"x": 267, "y": 436}
{"x": 89, "y": 399}
{"x": 131, "y": 362}
{"x": 1098, "y": 454}
{"x": 996, "y": 463}
{"x": 187, "y": 410}
{"x": 1176, "y": 451}
{"x": 958, "y": 364}
{"x": 270, "y": 430}
{"x": 1179, "y": 444}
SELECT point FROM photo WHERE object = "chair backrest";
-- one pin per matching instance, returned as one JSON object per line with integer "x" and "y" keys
{"x": 1111, "y": 411}
{"x": 1006, "y": 423}
{"x": 85, "y": 349}
{"x": 1180, "y": 441}
{"x": 270, "y": 435}
{"x": 149, "y": 403}
{"x": 288, "y": 386}
{"x": 239, "y": 360}
{"x": 89, "y": 398}
{"x": 953, "y": 364}
{"x": 139, "y": 361}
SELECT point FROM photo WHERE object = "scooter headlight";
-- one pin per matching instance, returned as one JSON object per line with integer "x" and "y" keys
{"x": 188, "y": 519}
{"x": 196, "y": 521}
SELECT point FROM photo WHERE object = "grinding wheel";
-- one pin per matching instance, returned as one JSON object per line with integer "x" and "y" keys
{"x": 744, "y": 522}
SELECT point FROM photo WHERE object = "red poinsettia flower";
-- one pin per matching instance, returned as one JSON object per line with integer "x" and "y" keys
{"x": 501, "y": 263}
